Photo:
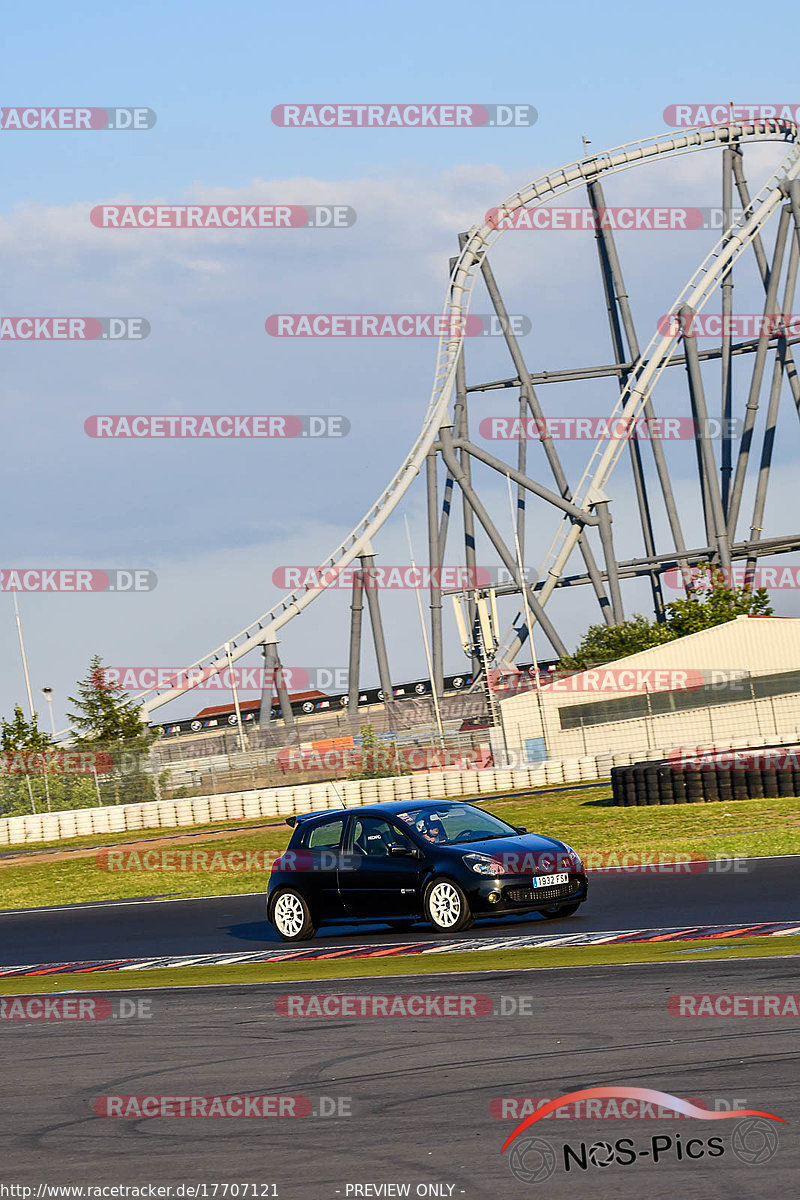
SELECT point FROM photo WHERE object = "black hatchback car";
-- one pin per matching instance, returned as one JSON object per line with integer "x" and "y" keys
{"x": 442, "y": 861}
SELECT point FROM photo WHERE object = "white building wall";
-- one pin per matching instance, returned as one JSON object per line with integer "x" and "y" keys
{"x": 754, "y": 645}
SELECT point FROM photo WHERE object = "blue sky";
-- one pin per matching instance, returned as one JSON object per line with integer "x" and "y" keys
{"x": 214, "y": 521}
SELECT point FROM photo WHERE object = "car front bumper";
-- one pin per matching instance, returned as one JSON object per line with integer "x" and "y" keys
{"x": 509, "y": 894}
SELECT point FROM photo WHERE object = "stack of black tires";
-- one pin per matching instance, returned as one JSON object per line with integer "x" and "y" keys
{"x": 720, "y": 777}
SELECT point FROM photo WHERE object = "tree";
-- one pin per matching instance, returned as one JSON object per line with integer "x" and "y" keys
{"x": 709, "y": 601}
{"x": 108, "y": 721}
{"x": 604, "y": 643}
{"x": 20, "y": 734}
{"x": 378, "y": 761}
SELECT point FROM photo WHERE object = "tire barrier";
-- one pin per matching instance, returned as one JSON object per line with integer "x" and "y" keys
{"x": 766, "y": 776}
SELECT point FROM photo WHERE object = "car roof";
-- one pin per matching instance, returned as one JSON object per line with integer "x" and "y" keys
{"x": 383, "y": 808}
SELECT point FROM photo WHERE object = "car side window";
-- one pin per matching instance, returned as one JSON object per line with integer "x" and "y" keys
{"x": 373, "y": 836}
{"x": 326, "y": 836}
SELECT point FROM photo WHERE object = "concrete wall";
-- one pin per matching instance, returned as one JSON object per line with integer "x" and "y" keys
{"x": 760, "y": 646}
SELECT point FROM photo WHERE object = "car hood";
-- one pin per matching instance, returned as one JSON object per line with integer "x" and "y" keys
{"x": 513, "y": 844}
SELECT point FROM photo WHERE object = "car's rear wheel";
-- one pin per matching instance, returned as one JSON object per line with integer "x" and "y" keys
{"x": 560, "y": 910}
{"x": 291, "y": 917}
{"x": 446, "y": 907}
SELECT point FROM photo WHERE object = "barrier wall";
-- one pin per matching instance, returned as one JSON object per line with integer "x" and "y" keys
{"x": 270, "y": 803}
{"x": 288, "y": 801}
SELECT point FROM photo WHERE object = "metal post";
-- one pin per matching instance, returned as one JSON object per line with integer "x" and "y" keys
{"x": 522, "y": 467}
{"x": 758, "y": 372}
{"x": 604, "y": 522}
{"x": 242, "y": 742}
{"x": 367, "y": 565}
{"x": 272, "y": 664}
{"x": 448, "y": 453}
{"x": 437, "y": 679}
{"x": 756, "y": 526}
{"x": 356, "y": 614}
{"x": 461, "y": 423}
{"x": 617, "y": 302}
{"x": 547, "y": 442}
{"x": 727, "y": 311}
{"x": 708, "y": 472}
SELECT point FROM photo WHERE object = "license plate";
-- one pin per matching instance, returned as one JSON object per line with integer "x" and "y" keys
{"x": 550, "y": 880}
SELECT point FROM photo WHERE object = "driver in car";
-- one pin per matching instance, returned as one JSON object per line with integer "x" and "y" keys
{"x": 431, "y": 827}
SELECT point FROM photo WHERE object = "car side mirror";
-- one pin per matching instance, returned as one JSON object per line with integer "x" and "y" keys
{"x": 521, "y": 828}
{"x": 396, "y": 850}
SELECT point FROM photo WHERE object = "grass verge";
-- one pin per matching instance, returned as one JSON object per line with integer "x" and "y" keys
{"x": 405, "y": 965}
{"x": 727, "y": 829}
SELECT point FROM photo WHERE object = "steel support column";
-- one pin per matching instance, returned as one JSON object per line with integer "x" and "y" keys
{"x": 354, "y": 667}
{"x": 617, "y": 303}
{"x": 758, "y": 373}
{"x": 508, "y": 559}
{"x": 436, "y": 583}
{"x": 367, "y": 565}
{"x": 718, "y": 532}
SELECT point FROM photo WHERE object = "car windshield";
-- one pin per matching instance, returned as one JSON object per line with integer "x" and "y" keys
{"x": 446, "y": 824}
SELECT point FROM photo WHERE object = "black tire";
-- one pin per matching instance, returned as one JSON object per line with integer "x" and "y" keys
{"x": 560, "y": 910}
{"x": 755, "y": 784}
{"x": 666, "y": 791}
{"x": 652, "y": 791}
{"x": 640, "y": 783}
{"x": 785, "y": 781}
{"x": 739, "y": 783}
{"x": 724, "y": 785}
{"x": 694, "y": 787}
{"x": 710, "y": 786}
{"x": 285, "y": 929}
{"x": 679, "y": 785}
{"x": 444, "y": 894}
{"x": 628, "y": 787}
{"x": 617, "y": 785}
{"x": 769, "y": 778}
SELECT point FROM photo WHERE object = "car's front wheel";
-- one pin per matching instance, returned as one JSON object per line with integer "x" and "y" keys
{"x": 560, "y": 910}
{"x": 291, "y": 917}
{"x": 446, "y": 907}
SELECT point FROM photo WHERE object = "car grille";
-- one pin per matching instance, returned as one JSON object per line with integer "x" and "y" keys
{"x": 520, "y": 895}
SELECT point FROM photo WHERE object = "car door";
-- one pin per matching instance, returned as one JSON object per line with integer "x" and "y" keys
{"x": 317, "y": 863}
{"x": 373, "y": 882}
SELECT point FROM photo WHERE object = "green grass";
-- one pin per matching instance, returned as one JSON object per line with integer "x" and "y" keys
{"x": 407, "y": 964}
{"x": 718, "y": 830}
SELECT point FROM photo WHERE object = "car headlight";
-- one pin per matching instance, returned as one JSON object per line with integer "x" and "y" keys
{"x": 484, "y": 864}
{"x": 575, "y": 858}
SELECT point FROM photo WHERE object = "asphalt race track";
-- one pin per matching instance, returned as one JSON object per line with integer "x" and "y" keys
{"x": 418, "y": 1088}
{"x": 750, "y": 890}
